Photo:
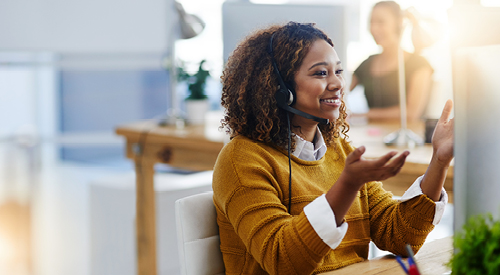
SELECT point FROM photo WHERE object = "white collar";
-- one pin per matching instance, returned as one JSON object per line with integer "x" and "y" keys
{"x": 310, "y": 151}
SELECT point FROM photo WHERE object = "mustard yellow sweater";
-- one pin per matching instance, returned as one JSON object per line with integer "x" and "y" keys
{"x": 257, "y": 234}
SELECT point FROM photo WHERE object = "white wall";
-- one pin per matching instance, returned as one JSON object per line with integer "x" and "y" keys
{"x": 85, "y": 26}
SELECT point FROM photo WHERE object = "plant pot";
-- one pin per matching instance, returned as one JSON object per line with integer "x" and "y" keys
{"x": 196, "y": 111}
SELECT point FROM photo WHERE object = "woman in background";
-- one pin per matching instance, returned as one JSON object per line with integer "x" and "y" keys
{"x": 324, "y": 216}
{"x": 379, "y": 73}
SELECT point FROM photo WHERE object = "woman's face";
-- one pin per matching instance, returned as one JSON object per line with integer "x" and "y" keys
{"x": 384, "y": 27}
{"x": 319, "y": 83}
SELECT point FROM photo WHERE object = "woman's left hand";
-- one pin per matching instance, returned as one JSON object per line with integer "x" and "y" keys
{"x": 442, "y": 138}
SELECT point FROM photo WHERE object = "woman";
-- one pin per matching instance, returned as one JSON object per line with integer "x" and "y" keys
{"x": 324, "y": 216}
{"x": 379, "y": 73}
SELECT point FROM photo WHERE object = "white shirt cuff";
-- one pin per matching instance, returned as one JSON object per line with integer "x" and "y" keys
{"x": 321, "y": 217}
{"x": 415, "y": 190}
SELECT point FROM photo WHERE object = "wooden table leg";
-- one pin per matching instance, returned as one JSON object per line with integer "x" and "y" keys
{"x": 145, "y": 217}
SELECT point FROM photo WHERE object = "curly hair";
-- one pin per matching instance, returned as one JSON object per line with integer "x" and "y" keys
{"x": 249, "y": 84}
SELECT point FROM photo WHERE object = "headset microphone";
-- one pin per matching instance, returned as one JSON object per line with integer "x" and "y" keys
{"x": 281, "y": 101}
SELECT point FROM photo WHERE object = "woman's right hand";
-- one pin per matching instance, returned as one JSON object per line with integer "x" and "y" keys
{"x": 358, "y": 170}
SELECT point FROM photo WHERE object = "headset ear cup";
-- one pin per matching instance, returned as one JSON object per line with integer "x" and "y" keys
{"x": 281, "y": 96}
{"x": 290, "y": 93}
{"x": 291, "y": 98}
{"x": 285, "y": 97}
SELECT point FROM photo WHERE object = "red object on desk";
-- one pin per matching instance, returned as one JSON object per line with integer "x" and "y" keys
{"x": 413, "y": 270}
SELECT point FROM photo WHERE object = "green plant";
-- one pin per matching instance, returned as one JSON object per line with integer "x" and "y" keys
{"x": 477, "y": 247}
{"x": 196, "y": 82}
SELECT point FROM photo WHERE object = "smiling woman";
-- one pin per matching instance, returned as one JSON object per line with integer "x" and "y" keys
{"x": 273, "y": 223}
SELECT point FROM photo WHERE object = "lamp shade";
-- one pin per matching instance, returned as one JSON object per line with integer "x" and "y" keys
{"x": 190, "y": 25}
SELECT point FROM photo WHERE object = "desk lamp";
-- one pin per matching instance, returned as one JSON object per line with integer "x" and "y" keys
{"x": 188, "y": 26}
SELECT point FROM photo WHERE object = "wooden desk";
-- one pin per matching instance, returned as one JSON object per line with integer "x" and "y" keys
{"x": 431, "y": 260}
{"x": 191, "y": 148}
{"x": 148, "y": 144}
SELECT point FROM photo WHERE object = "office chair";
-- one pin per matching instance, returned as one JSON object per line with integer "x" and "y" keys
{"x": 198, "y": 235}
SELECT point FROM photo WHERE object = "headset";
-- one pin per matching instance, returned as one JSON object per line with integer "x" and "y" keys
{"x": 285, "y": 99}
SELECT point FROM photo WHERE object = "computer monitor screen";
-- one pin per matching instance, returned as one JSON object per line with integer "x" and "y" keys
{"x": 477, "y": 132}
{"x": 240, "y": 18}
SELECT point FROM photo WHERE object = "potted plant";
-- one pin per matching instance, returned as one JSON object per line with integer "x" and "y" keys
{"x": 197, "y": 103}
{"x": 477, "y": 247}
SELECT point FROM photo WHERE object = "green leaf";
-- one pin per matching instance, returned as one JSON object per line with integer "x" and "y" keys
{"x": 477, "y": 247}
{"x": 196, "y": 82}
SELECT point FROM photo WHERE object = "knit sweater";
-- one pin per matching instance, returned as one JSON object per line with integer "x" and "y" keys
{"x": 259, "y": 236}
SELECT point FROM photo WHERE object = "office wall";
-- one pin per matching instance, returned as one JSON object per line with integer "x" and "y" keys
{"x": 474, "y": 25}
{"x": 107, "y": 57}
{"x": 85, "y": 26}
{"x": 97, "y": 101}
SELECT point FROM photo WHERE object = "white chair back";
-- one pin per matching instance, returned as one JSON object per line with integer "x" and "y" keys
{"x": 198, "y": 235}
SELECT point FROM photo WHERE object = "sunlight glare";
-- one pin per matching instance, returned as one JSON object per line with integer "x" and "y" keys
{"x": 490, "y": 3}
{"x": 6, "y": 250}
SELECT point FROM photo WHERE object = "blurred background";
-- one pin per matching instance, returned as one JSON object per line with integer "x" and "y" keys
{"x": 72, "y": 71}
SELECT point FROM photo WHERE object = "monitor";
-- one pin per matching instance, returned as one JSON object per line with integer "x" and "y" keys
{"x": 240, "y": 18}
{"x": 477, "y": 132}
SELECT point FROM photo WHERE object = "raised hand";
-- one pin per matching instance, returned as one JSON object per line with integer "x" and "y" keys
{"x": 442, "y": 145}
{"x": 442, "y": 138}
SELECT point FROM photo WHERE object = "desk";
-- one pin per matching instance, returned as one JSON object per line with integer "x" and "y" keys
{"x": 190, "y": 148}
{"x": 148, "y": 144}
{"x": 431, "y": 260}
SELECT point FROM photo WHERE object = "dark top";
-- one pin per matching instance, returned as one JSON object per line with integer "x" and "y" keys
{"x": 383, "y": 91}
